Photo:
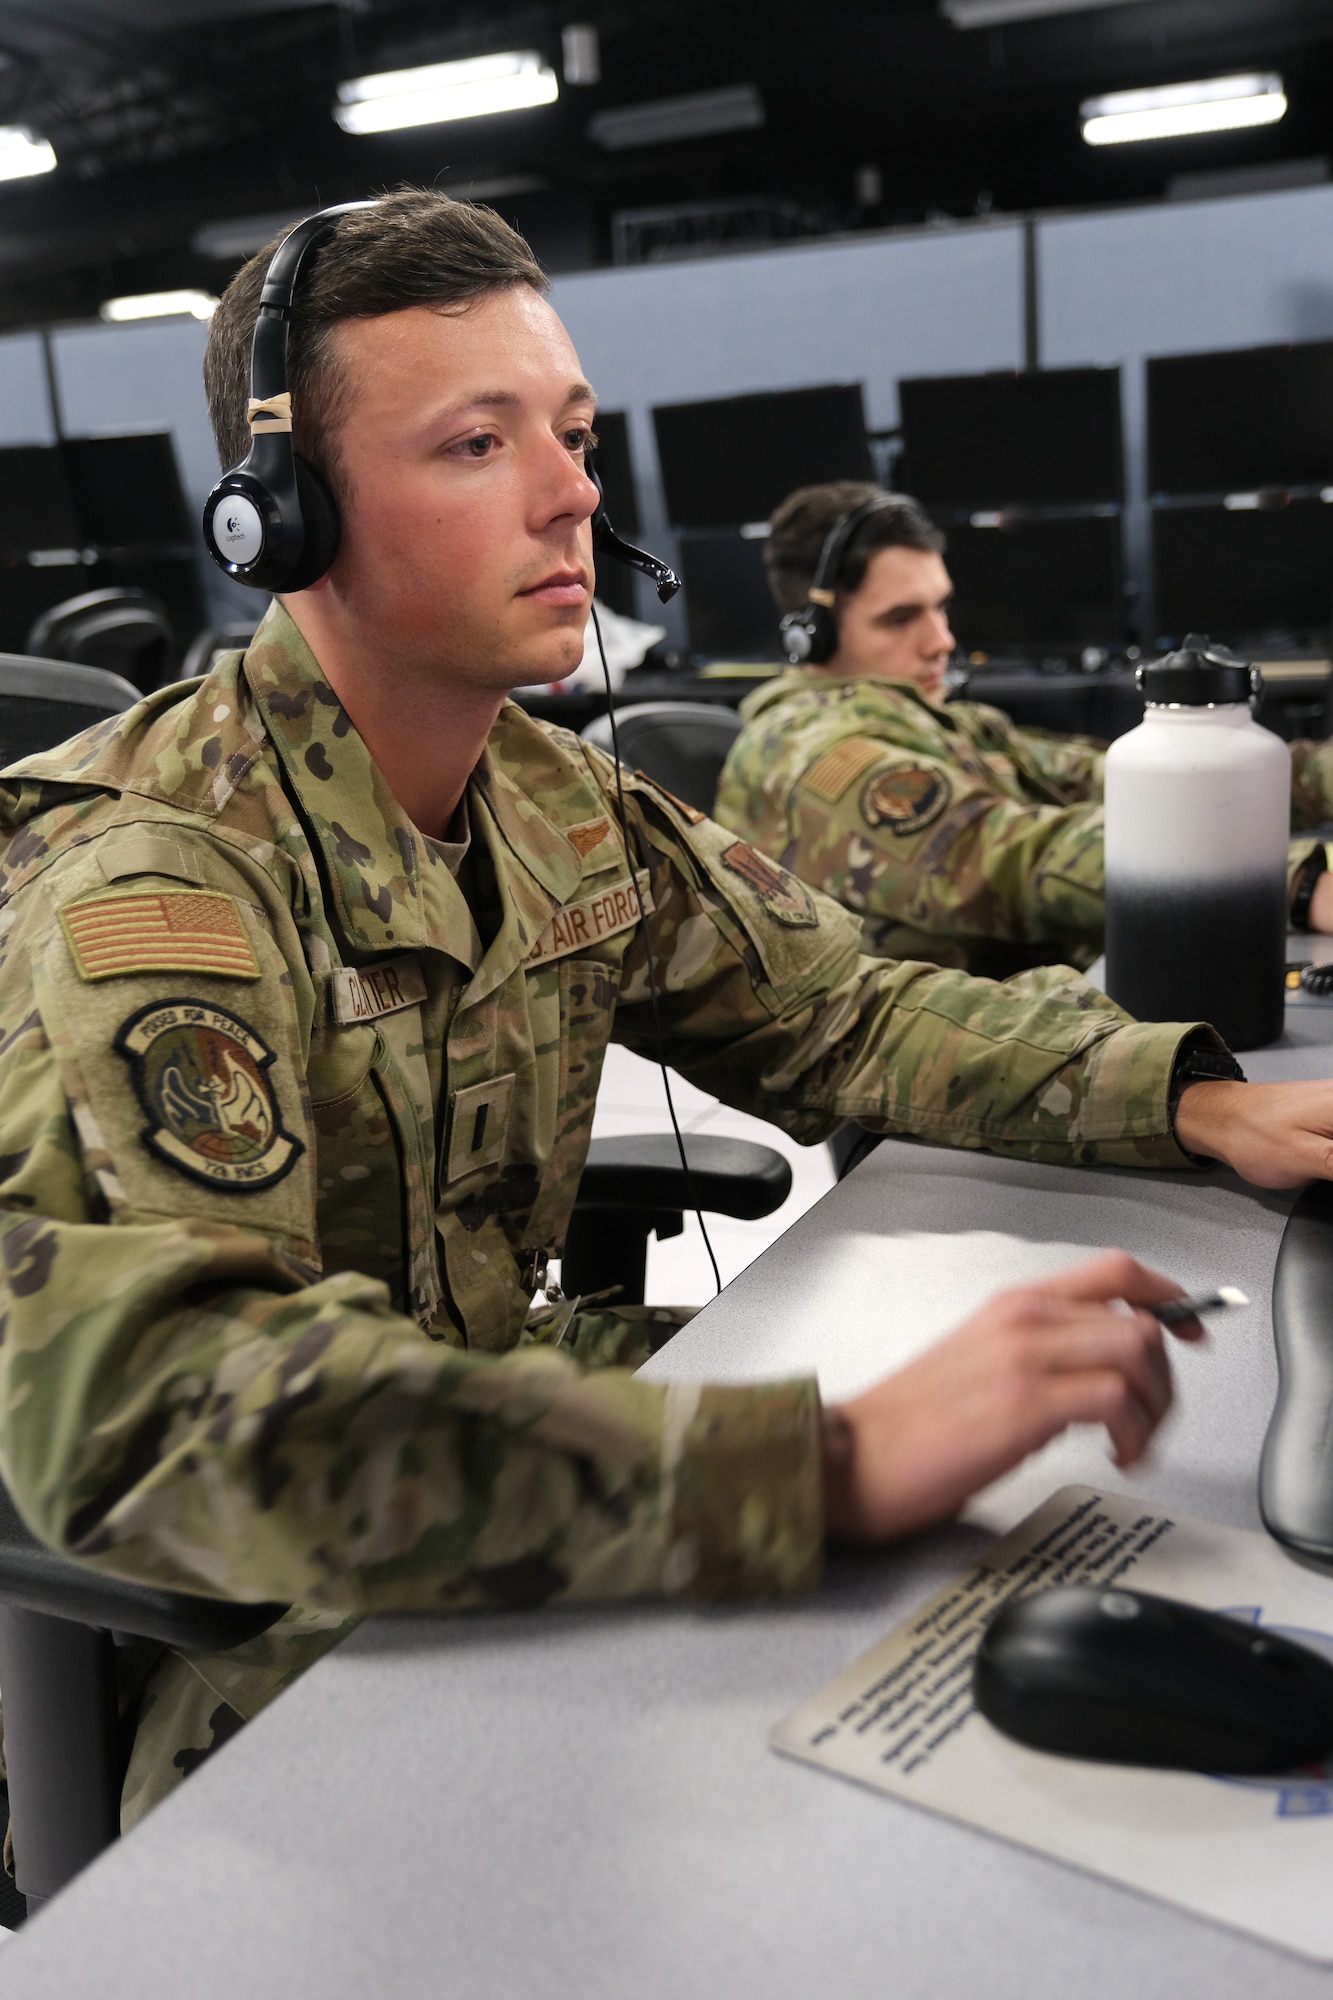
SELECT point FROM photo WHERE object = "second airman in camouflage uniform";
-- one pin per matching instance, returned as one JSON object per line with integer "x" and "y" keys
{"x": 954, "y": 835}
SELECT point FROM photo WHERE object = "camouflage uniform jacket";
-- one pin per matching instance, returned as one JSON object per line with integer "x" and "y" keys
{"x": 953, "y": 834}
{"x": 289, "y": 1117}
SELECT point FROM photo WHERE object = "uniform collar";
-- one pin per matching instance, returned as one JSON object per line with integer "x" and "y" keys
{"x": 818, "y": 682}
{"x": 388, "y": 893}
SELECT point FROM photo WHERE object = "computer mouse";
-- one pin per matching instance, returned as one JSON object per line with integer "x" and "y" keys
{"x": 1123, "y": 1677}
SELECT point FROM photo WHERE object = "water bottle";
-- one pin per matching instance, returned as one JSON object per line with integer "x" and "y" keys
{"x": 1198, "y": 805}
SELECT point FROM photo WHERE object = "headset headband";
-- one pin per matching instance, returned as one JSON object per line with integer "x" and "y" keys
{"x": 836, "y": 543}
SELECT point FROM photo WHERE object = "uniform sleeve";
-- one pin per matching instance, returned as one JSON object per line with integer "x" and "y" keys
{"x": 921, "y": 841}
{"x": 1070, "y": 768}
{"x": 1311, "y": 784}
{"x": 185, "y": 1400}
{"x": 766, "y": 1003}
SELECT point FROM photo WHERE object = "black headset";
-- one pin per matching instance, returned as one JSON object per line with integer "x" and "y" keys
{"x": 810, "y": 635}
{"x": 271, "y": 521}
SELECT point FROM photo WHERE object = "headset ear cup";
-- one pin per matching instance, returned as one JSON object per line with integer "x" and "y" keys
{"x": 319, "y": 519}
{"x": 823, "y": 635}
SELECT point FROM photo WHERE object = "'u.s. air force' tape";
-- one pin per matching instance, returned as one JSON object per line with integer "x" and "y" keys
{"x": 581, "y": 925}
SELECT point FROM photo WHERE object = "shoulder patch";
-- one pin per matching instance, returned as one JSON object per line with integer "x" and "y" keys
{"x": 159, "y": 930}
{"x": 201, "y": 1076}
{"x": 786, "y": 899}
{"x": 906, "y": 799}
{"x": 839, "y": 768}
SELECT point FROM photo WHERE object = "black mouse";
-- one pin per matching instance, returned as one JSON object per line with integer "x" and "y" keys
{"x": 1123, "y": 1677}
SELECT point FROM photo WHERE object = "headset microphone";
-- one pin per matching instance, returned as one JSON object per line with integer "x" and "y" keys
{"x": 606, "y": 542}
{"x": 810, "y": 635}
{"x": 271, "y": 521}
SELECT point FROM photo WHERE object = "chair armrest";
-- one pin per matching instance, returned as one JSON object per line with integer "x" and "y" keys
{"x": 39, "y": 1579}
{"x": 730, "y": 1176}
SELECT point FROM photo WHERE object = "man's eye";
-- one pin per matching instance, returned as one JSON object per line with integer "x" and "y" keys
{"x": 580, "y": 439}
{"x": 479, "y": 447}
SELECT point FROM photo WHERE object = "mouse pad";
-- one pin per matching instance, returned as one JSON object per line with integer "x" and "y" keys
{"x": 1255, "y": 1854}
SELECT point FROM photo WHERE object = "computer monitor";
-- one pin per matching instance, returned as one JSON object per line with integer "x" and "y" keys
{"x": 734, "y": 460}
{"x": 1244, "y": 573}
{"x": 1037, "y": 583}
{"x": 36, "y": 506}
{"x": 127, "y": 490}
{"x": 728, "y": 604}
{"x": 1050, "y": 438}
{"x": 1231, "y": 422}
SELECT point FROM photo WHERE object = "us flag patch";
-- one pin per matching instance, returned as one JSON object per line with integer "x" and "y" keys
{"x": 159, "y": 930}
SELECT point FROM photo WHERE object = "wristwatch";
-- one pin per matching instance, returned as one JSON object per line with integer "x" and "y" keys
{"x": 1201, "y": 1058}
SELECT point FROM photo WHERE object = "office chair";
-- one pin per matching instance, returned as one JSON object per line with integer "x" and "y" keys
{"x": 207, "y": 646}
{"x": 44, "y": 701}
{"x": 123, "y": 631}
{"x": 682, "y": 744}
{"x": 59, "y": 1624}
{"x": 634, "y": 1187}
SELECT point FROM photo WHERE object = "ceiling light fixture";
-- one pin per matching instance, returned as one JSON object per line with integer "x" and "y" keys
{"x": 1178, "y": 110}
{"x": 438, "y": 92}
{"x": 21, "y": 154}
{"x": 999, "y": 13}
{"x": 737, "y": 108}
{"x": 159, "y": 305}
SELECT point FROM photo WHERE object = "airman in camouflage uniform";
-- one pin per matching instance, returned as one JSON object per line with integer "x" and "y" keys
{"x": 292, "y": 1119}
{"x": 953, "y": 835}
{"x": 295, "y": 1098}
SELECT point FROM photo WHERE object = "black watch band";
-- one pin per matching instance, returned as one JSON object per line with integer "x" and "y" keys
{"x": 1201, "y": 1059}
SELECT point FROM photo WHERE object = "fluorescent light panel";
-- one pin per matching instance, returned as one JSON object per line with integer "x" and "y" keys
{"x": 736, "y": 108}
{"x": 21, "y": 154}
{"x": 439, "y": 92}
{"x": 998, "y": 13}
{"x": 1178, "y": 110}
{"x": 159, "y": 305}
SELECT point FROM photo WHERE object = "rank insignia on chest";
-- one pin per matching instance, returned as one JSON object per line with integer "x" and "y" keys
{"x": 907, "y": 799}
{"x": 201, "y": 1076}
{"x": 780, "y": 893}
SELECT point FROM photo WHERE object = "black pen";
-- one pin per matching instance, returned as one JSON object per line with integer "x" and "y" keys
{"x": 1174, "y": 1310}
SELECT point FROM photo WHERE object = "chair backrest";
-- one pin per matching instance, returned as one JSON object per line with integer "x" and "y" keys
{"x": 44, "y": 701}
{"x": 683, "y": 744}
{"x": 208, "y": 646}
{"x": 122, "y": 631}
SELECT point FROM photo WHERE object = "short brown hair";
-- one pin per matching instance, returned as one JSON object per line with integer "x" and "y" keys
{"x": 800, "y": 527}
{"x": 413, "y": 248}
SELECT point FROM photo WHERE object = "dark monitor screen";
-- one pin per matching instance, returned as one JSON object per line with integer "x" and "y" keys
{"x": 1225, "y": 423}
{"x": 735, "y": 460}
{"x": 728, "y": 603}
{"x": 1046, "y": 439}
{"x": 1244, "y": 572}
{"x": 36, "y": 506}
{"x": 127, "y": 490}
{"x": 1037, "y": 583}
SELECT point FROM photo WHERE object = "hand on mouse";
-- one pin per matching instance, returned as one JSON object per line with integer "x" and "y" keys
{"x": 911, "y": 1450}
{"x": 1278, "y": 1135}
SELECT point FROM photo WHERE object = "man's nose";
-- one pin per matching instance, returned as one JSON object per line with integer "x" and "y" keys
{"x": 569, "y": 491}
{"x": 941, "y": 639}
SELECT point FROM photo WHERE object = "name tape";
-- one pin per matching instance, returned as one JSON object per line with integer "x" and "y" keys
{"x": 580, "y": 925}
{"x": 364, "y": 992}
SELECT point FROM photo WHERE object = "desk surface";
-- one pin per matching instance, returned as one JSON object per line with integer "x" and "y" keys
{"x": 585, "y": 1803}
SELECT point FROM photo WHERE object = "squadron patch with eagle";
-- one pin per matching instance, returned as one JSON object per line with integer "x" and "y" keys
{"x": 201, "y": 1076}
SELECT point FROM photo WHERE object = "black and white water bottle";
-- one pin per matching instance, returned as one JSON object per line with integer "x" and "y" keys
{"x": 1198, "y": 805}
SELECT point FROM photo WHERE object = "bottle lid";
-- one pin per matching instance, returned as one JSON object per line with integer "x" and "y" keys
{"x": 1199, "y": 675}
